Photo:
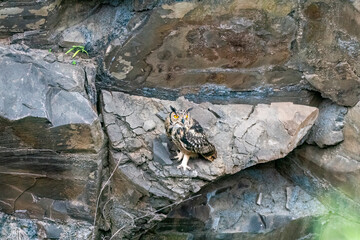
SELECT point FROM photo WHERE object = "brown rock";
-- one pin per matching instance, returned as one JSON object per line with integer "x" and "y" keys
{"x": 200, "y": 47}
{"x": 330, "y": 47}
{"x": 340, "y": 165}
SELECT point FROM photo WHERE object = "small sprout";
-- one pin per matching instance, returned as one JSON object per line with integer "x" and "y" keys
{"x": 77, "y": 49}
{"x": 50, "y": 50}
{"x": 73, "y": 62}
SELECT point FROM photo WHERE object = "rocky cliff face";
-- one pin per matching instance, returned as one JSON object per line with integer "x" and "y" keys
{"x": 83, "y": 150}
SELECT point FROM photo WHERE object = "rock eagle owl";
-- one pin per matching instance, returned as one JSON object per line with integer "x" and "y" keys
{"x": 188, "y": 136}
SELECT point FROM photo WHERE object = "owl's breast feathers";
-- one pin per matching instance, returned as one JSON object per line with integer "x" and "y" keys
{"x": 194, "y": 140}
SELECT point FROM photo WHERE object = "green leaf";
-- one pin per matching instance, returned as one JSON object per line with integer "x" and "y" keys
{"x": 83, "y": 50}
{"x": 76, "y": 53}
{"x": 69, "y": 50}
{"x": 50, "y": 50}
{"x": 73, "y": 62}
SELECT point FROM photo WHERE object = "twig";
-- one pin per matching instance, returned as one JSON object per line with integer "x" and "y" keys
{"x": 118, "y": 231}
{"x": 98, "y": 199}
{"x": 167, "y": 206}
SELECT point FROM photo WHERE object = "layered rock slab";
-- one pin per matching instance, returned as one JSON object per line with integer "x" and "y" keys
{"x": 224, "y": 50}
{"x": 51, "y": 140}
{"x": 329, "y": 45}
{"x": 244, "y": 135}
{"x": 331, "y": 173}
{"x": 253, "y": 204}
{"x": 32, "y": 229}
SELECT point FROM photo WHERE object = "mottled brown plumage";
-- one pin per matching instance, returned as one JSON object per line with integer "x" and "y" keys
{"x": 187, "y": 134}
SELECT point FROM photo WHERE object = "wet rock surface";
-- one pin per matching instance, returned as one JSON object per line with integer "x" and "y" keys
{"x": 244, "y": 135}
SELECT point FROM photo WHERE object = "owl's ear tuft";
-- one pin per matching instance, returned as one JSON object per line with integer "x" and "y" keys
{"x": 189, "y": 109}
{"x": 172, "y": 109}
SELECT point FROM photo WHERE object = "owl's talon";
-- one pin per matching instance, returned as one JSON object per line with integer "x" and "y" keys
{"x": 184, "y": 163}
{"x": 179, "y": 156}
{"x": 185, "y": 167}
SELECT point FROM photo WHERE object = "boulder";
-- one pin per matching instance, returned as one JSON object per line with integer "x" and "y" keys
{"x": 244, "y": 135}
{"x": 234, "y": 52}
{"x": 328, "y": 128}
{"x": 329, "y": 45}
{"x": 18, "y": 227}
{"x": 18, "y": 17}
{"x": 250, "y": 203}
{"x": 44, "y": 105}
{"x": 331, "y": 173}
{"x": 51, "y": 140}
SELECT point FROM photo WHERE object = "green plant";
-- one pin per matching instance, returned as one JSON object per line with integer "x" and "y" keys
{"x": 73, "y": 62}
{"x": 50, "y": 50}
{"x": 77, "y": 49}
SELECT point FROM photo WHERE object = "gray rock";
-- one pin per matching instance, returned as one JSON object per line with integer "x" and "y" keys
{"x": 334, "y": 172}
{"x": 32, "y": 229}
{"x": 69, "y": 108}
{"x": 50, "y": 58}
{"x": 50, "y": 138}
{"x": 90, "y": 86}
{"x": 161, "y": 153}
{"x": 328, "y": 128}
{"x": 229, "y": 206}
{"x": 45, "y": 99}
{"x": 244, "y": 135}
{"x": 143, "y": 5}
{"x": 29, "y": 185}
{"x": 133, "y": 144}
{"x": 71, "y": 37}
{"x": 149, "y": 125}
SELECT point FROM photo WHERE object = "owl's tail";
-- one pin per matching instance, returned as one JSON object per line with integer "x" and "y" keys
{"x": 211, "y": 156}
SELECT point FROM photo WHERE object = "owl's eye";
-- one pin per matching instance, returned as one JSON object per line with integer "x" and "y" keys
{"x": 176, "y": 116}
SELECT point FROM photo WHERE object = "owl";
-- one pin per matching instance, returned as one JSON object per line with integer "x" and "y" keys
{"x": 188, "y": 136}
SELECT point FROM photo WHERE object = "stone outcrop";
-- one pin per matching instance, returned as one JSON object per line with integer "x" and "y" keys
{"x": 237, "y": 52}
{"x": 248, "y": 68}
{"x": 328, "y": 128}
{"x": 241, "y": 51}
{"x": 19, "y": 17}
{"x": 334, "y": 171}
{"x": 19, "y": 227}
{"x": 244, "y": 135}
{"x": 330, "y": 47}
{"x": 256, "y": 200}
{"x": 51, "y": 140}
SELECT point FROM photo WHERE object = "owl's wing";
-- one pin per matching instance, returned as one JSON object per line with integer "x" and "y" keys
{"x": 195, "y": 140}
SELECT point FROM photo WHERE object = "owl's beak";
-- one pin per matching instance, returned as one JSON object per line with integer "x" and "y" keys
{"x": 183, "y": 121}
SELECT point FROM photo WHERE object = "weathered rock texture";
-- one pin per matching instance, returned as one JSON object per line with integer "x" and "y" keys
{"x": 256, "y": 200}
{"x": 18, "y": 227}
{"x": 18, "y": 17}
{"x": 330, "y": 47}
{"x": 328, "y": 128}
{"x": 243, "y": 51}
{"x": 52, "y": 148}
{"x": 244, "y": 135}
{"x": 334, "y": 171}
{"x": 218, "y": 49}
{"x": 51, "y": 141}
